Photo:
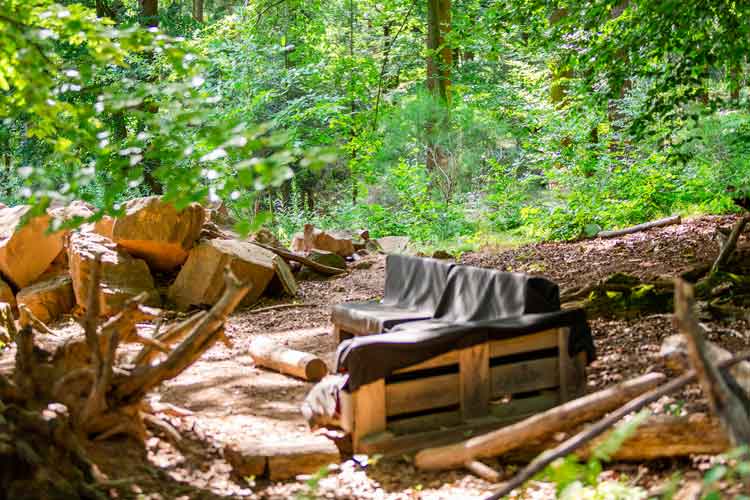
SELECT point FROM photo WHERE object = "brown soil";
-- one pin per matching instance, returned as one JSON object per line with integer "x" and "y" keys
{"x": 231, "y": 398}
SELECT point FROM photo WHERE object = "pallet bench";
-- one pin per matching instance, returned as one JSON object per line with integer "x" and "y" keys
{"x": 485, "y": 375}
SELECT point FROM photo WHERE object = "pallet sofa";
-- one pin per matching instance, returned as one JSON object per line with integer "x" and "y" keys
{"x": 413, "y": 288}
{"x": 496, "y": 350}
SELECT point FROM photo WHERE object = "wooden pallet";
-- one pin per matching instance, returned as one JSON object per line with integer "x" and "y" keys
{"x": 465, "y": 391}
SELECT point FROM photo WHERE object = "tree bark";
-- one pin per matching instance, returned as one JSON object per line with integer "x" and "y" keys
{"x": 198, "y": 10}
{"x": 150, "y": 13}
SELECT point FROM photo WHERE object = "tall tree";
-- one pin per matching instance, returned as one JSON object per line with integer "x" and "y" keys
{"x": 439, "y": 64}
{"x": 150, "y": 13}
{"x": 440, "y": 55}
{"x": 198, "y": 10}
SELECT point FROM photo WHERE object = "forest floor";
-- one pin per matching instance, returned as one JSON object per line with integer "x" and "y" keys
{"x": 231, "y": 399}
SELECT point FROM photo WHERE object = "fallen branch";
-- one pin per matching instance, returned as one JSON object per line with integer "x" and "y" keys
{"x": 728, "y": 247}
{"x": 597, "y": 429}
{"x": 725, "y": 404}
{"x": 537, "y": 427}
{"x": 26, "y": 316}
{"x": 279, "y": 306}
{"x": 287, "y": 255}
{"x": 667, "y": 221}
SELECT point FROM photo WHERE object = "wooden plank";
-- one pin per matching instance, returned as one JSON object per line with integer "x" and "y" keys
{"x": 368, "y": 410}
{"x": 546, "y": 339}
{"x": 525, "y": 376}
{"x": 421, "y": 394}
{"x": 474, "y": 381}
{"x": 449, "y": 358}
{"x": 564, "y": 363}
{"x": 505, "y": 412}
{"x": 390, "y": 444}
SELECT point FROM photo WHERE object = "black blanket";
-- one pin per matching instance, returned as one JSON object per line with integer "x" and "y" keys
{"x": 367, "y": 359}
{"x": 413, "y": 288}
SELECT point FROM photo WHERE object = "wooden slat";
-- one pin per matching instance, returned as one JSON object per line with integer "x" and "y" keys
{"x": 369, "y": 410}
{"x": 535, "y": 342}
{"x": 474, "y": 381}
{"x": 421, "y": 394}
{"x": 524, "y": 376}
{"x": 505, "y": 412}
{"x": 564, "y": 364}
{"x": 449, "y": 358}
{"x": 546, "y": 339}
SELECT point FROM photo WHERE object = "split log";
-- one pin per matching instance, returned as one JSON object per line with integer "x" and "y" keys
{"x": 667, "y": 221}
{"x": 731, "y": 243}
{"x": 287, "y": 255}
{"x": 666, "y": 436}
{"x": 297, "y": 363}
{"x": 726, "y": 404}
{"x": 657, "y": 437}
{"x": 558, "y": 419}
{"x": 579, "y": 440}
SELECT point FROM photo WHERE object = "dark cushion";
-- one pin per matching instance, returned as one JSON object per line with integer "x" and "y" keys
{"x": 373, "y": 317}
{"x": 413, "y": 287}
{"x": 367, "y": 359}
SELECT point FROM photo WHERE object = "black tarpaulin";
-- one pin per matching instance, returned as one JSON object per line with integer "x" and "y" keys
{"x": 413, "y": 288}
{"x": 370, "y": 358}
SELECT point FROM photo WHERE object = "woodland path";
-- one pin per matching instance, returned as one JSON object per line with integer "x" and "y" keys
{"x": 230, "y": 397}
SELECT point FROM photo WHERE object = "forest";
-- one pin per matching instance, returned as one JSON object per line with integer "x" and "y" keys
{"x": 197, "y": 196}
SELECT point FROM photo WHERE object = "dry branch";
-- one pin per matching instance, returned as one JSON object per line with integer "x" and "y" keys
{"x": 597, "y": 429}
{"x": 560, "y": 418}
{"x": 667, "y": 221}
{"x": 26, "y": 316}
{"x": 277, "y": 307}
{"x": 727, "y": 405}
{"x": 728, "y": 247}
{"x": 287, "y": 255}
{"x": 203, "y": 335}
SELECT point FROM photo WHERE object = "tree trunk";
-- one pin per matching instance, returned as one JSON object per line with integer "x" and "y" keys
{"x": 439, "y": 60}
{"x": 150, "y": 13}
{"x": 198, "y": 10}
{"x": 439, "y": 64}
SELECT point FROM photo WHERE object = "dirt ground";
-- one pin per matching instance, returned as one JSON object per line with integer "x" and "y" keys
{"x": 231, "y": 398}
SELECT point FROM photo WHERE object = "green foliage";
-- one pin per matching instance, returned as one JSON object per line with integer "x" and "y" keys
{"x": 732, "y": 468}
{"x": 565, "y": 118}
{"x": 577, "y": 480}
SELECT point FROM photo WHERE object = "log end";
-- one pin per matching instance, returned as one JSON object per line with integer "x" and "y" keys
{"x": 315, "y": 370}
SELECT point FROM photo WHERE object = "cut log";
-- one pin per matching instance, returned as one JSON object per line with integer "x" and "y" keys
{"x": 157, "y": 232}
{"x": 667, "y": 221}
{"x": 297, "y": 363}
{"x": 560, "y": 418}
{"x": 48, "y": 299}
{"x": 26, "y": 250}
{"x": 665, "y": 436}
{"x": 6, "y": 294}
{"x": 315, "y": 239}
{"x": 287, "y": 255}
{"x": 122, "y": 276}
{"x": 281, "y": 460}
{"x": 200, "y": 281}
